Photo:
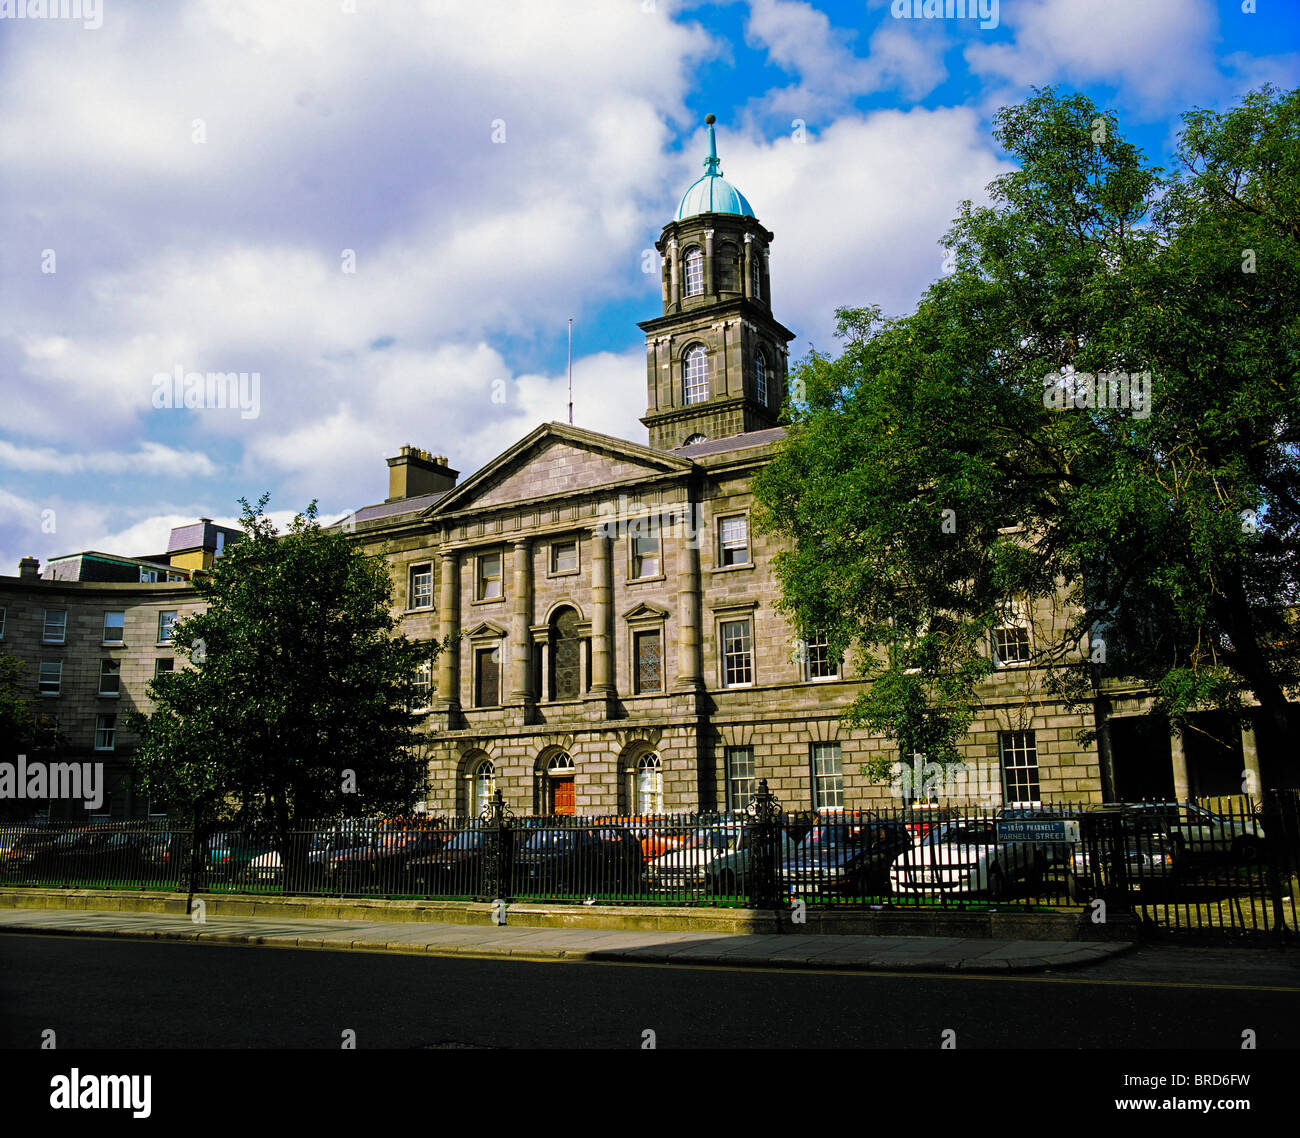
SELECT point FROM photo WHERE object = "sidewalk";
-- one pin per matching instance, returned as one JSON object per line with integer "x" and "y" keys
{"x": 793, "y": 950}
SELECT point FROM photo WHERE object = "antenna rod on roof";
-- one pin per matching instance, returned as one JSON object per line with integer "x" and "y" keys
{"x": 570, "y": 371}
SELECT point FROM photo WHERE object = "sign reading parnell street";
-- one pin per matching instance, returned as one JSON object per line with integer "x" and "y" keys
{"x": 1039, "y": 830}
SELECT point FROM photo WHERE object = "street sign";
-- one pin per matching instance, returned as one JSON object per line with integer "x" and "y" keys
{"x": 1039, "y": 830}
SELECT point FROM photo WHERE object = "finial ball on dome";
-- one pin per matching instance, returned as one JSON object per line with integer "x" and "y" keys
{"x": 710, "y": 119}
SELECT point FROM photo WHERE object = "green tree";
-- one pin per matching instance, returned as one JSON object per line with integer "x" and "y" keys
{"x": 929, "y": 476}
{"x": 295, "y": 707}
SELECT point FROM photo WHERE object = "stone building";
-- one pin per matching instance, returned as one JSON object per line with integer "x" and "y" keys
{"x": 617, "y": 645}
{"x": 91, "y": 635}
{"x": 616, "y": 641}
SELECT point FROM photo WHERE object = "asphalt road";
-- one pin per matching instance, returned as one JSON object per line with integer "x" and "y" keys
{"x": 102, "y": 993}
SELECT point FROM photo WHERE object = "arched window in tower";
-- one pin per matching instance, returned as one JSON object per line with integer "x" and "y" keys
{"x": 760, "y": 378}
{"x": 694, "y": 273}
{"x": 757, "y": 269}
{"x": 696, "y": 375}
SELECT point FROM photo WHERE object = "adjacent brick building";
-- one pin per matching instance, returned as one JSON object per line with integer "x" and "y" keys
{"x": 90, "y": 646}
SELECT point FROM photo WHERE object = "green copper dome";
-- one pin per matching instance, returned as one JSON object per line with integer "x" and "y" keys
{"x": 713, "y": 193}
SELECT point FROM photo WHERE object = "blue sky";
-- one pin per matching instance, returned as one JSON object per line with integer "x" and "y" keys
{"x": 195, "y": 173}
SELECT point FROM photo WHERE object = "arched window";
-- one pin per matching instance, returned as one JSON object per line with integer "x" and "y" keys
{"x": 483, "y": 782}
{"x": 560, "y": 764}
{"x": 649, "y": 785}
{"x": 697, "y": 375}
{"x": 756, "y": 266}
{"x": 566, "y": 655}
{"x": 760, "y": 378}
{"x": 693, "y": 439}
{"x": 694, "y": 273}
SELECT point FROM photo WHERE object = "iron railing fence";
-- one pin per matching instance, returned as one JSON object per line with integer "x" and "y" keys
{"x": 1176, "y": 867}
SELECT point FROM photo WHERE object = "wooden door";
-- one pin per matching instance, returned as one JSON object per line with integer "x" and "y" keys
{"x": 561, "y": 795}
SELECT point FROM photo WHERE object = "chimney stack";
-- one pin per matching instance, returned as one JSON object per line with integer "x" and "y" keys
{"x": 415, "y": 471}
{"x": 29, "y": 568}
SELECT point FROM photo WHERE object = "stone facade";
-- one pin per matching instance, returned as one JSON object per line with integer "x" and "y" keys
{"x": 101, "y": 673}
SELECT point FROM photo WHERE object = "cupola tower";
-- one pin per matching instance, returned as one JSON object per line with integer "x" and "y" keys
{"x": 716, "y": 358}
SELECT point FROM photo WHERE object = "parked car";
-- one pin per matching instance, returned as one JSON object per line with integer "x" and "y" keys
{"x": 848, "y": 857}
{"x": 454, "y": 869}
{"x": 142, "y": 853}
{"x": 268, "y": 868}
{"x": 379, "y": 863}
{"x": 27, "y": 851}
{"x": 657, "y": 835}
{"x": 1140, "y": 838}
{"x": 1200, "y": 832}
{"x": 921, "y": 817}
{"x": 72, "y": 854}
{"x": 686, "y": 866}
{"x": 230, "y": 852}
{"x": 965, "y": 856}
{"x": 579, "y": 860}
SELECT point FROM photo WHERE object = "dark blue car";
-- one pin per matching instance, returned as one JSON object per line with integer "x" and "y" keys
{"x": 846, "y": 857}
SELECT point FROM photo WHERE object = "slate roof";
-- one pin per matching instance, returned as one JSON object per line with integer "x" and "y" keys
{"x": 197, "y": 535}
{"x": 411, "y": 505}
{"x": 732, "y": 442}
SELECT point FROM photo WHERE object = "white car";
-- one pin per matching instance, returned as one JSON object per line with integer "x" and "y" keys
{"x": 267, "y": 867}
{"x": 687, "y": 866}
{"x": 1196, "y": 830}
{"x": 964, "y": 856}
{"x": 715, "y": 859}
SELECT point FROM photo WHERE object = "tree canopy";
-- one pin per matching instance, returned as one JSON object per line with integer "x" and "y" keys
{"x": 1097, "y": 412}
{"x": 294, "y": 702}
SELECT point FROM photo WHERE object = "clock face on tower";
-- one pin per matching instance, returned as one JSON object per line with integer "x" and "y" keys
{"x": 716, "y": 358}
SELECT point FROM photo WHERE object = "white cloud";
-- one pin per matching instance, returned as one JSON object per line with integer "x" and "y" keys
{"x": 325, "y": 131}
{"x": 1155, "y": 52}
{"x": 859, "y": 209}
{"x": 801, "y": 40}
{"x": 148, "y": 458}
{"x": 461, "y": 401}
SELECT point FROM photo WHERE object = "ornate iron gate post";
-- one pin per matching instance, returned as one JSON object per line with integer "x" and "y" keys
{"x": 764, "y": 831}
{"x": 498, "y": 849}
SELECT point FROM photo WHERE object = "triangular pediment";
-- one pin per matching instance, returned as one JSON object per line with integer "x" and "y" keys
{"x": 645, "y": 611}
{"x": 558, "y": 461}
{"x": 486, "y": 630}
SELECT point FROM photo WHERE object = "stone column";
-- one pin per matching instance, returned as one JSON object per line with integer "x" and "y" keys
{"x": 521, "y": 619}
{"x": 602, "y": 604}
{"x": 1179, "y": 760}
{"x": 448, "y": 627}
{"x": 689, "y": 677}
{"x": 748, "y": 268}
{"x": 675, "y": 290}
